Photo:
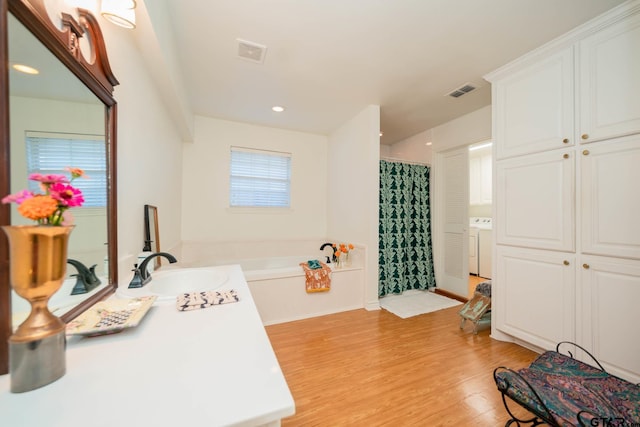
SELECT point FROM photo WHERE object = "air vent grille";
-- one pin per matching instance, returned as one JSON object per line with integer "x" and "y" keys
{"x": 457, "y": 93}
{"x": 251, "y": 51}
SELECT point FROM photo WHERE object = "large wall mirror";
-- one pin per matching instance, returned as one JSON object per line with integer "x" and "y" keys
{"x": 68, "y": 106}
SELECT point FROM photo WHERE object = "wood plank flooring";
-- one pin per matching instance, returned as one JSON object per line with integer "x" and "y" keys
{"x": 372, "y": 368}
{"x": 473, "y": 282}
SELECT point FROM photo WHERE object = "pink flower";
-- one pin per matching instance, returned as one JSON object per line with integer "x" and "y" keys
{"x": 66, "y": 195}
{"x": 18, "y": 197}
{"x": 57, "y": 196}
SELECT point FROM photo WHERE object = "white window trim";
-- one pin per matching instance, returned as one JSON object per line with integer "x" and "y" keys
{"x": 260, "y": 208}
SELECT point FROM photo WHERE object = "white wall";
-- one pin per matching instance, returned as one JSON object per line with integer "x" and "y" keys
{"x": 414, "y": 148}
{"x": 465, "y": 130}
{"x": 149, "y": 152}
{"x": 205, "y": 205}
{"x": 353, "y": 167}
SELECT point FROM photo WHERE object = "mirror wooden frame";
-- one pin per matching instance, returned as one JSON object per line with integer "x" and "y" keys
{"x": 151, "y": 232}
{"x": 97, "y": 76}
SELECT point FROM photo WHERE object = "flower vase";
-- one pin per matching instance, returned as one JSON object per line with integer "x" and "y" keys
{"x": 37, "y": 267}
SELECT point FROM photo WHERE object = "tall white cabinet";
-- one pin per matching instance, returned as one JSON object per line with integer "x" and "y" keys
{"x": 567, "y": 192}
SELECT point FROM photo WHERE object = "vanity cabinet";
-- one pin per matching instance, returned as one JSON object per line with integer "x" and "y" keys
{"x": 537, "y": 292}
{"x": 610, "y": 199}
{"x": 608, "y": 81}
{"x": 535, "y": 200}
{"x": 566, "y": 197}
{"x": 609, "y": 292}
{"x": 533, "y": 107}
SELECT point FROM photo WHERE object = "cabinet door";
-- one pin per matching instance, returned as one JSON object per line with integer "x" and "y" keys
{"x": 610, "y": 175}
{"x": 475, "y": 181}
{"x": 486, "y": 179}
{"x": 534, "y": 107}
{"x": 535, "y": 295}
{"x": 610, "y": 293}
{"x": 609, "y": 86}
{"x": 535, "y": 201}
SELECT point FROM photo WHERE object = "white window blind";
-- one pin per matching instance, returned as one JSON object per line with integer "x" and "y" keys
{"x": 259, "y": 178}
{"x": 51, "y": 153}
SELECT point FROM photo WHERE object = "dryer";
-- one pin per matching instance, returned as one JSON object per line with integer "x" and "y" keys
{"x": 473, "y": 250}
{"x": 480, "y": 244}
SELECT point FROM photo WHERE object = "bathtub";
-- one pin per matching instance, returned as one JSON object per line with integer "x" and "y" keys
{"x": 277, "y": 285}
{"x": 270, "y": 268}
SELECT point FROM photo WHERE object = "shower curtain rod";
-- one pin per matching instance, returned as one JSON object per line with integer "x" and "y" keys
{"x": 397, "y": 160}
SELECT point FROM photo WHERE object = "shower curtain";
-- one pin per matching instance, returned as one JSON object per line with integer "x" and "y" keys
{"x": 404, "y": 248}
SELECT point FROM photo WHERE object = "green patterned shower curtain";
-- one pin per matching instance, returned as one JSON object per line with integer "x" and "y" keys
{"x": 404, "y": 247}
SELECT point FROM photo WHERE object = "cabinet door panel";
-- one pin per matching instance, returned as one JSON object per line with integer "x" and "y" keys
{"x": 475, "y": 181}
{"x": 534, "y": 107}
{"x": 535, "y": 203}
{"x": 535, "y": 295}
{"x": 609, "y": 83}
{"x": 610, "y": 174}
{"x": 610, "y": 317}
{"x": 486, "y": 179}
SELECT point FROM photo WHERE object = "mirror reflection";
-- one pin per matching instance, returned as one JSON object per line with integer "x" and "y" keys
{"x": 57, "y": 122}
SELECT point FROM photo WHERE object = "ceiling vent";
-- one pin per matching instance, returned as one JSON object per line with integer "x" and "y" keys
{"x": 251, "y": 51}
{"x": 457, "y": 93}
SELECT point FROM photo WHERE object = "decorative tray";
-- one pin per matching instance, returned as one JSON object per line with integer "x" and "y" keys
{"x": 109, "y": 317}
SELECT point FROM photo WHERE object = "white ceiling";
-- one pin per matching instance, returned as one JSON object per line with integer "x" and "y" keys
{"x": 327, "y": 59}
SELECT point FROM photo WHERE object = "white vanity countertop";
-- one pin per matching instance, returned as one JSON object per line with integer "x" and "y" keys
{"x": 207, "y": 367}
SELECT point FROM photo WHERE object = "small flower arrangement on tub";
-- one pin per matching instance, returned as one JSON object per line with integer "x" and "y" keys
{"x": 50, "y": 207}
{"x": 341, "y": 254}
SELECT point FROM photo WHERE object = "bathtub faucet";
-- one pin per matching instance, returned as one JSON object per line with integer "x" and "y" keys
{"x": 324, "y": 245}
{"x": 140, "y": 274}
{"x": 86, "y": 279}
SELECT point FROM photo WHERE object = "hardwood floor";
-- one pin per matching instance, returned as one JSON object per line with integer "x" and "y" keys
{"x": 473, "y": 281}
{"x": 372, "y": 368}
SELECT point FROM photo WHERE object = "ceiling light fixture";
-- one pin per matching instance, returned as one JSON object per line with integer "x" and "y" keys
{"x": 119, "y": 12}
{"x": 478, "y": 147}
{"x": 381, "y": 133}
{"x": 277, "y": 108}
{"x": 25, "y": 69}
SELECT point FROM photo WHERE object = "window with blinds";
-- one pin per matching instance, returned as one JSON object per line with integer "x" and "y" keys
{"x": 260, "y": 178}
{"x": 51, "y": 153}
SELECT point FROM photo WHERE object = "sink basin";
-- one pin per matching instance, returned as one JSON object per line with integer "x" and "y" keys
{"x": 170, "y": 283}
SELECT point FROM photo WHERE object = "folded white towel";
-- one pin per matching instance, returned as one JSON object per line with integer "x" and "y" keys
{"x": 197, "y": 300}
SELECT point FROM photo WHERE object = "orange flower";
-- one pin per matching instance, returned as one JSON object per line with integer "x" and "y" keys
{"x": 344, "y": 250}
{"x": 75, "y": 172}
{"x": 351, "y": 246}
{"x": 38, "y": 207}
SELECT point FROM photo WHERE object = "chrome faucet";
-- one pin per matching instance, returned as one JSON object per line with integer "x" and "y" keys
{"x": 140, "y": 274}
{"x": 86, "y": 277}
{"x": 324, "y": 245}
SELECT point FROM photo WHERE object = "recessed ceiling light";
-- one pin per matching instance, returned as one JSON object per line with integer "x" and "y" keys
{"x": 25, "y": 69}
{"x": 381, "y": 133}
{"x": 428, "y": 143}
{"x": 277, "y": 108}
